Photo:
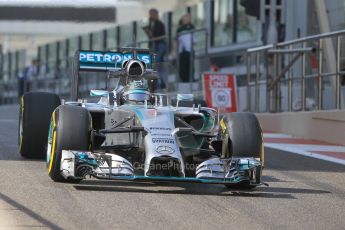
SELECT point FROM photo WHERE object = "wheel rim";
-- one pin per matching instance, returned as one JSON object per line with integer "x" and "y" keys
{"x": 50, "y": 140}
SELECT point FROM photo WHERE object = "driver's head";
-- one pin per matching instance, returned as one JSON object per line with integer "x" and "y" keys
{"x": 137, "y": 91}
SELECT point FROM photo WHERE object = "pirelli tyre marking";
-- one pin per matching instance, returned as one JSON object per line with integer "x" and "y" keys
{"x": 51, "y": 143}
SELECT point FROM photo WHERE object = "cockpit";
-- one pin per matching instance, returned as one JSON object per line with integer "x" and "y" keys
{"x": 130, "y": 75}
{"x": 137, "y": 91}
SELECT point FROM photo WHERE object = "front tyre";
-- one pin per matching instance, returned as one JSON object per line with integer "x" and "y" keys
{"x": 243, "y": 137}
{"x": 69, "y": 130}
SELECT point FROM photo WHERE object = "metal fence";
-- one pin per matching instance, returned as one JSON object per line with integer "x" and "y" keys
{"x": 10, "y": 90}
{"x": 297, "y": 75}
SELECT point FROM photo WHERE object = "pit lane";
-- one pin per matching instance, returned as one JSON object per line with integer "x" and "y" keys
{"x": 304, "y": 193}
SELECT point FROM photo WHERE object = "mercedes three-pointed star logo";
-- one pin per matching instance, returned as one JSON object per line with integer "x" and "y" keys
{"x": 165, "y": 150}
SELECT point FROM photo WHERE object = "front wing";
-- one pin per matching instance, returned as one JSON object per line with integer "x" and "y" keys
{"x": 105, "y": 166}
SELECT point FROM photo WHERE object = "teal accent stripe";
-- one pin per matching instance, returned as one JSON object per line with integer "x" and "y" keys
{"x": 139, "y": 114}
{"x": 181, "y": 179}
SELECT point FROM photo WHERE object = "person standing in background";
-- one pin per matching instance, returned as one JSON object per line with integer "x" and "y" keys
{"x": 185, "y": 47}
{"x": 21, "y": 83}
{"x": 227, "y": 30}
{"x": 156, "y": 32}
{"x": 31, "y": 74}
{"x": 26, "y": 76}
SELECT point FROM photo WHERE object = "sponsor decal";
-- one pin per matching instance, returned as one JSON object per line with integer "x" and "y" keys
{"x": 160, "y": 128}
{"x": 163, "y": 141}
{"x": 146, "y": 58}
{"x": 111, "y": 57}
{"x": 99, "y": 57}
{"x": 161, "y": 134}
{"x": 152, "y": 112}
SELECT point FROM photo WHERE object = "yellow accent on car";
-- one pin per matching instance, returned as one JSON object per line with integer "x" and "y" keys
{"x": 53, "y": 144}
{"x": 222, "y": 125}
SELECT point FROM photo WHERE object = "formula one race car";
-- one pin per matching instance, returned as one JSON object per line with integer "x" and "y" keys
{"x": 134, "y": 134}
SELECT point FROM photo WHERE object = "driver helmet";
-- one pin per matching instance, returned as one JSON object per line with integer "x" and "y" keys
{"x": 137, "y": 91}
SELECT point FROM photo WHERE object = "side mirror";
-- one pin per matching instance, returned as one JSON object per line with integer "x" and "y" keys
{"x": 185, "y": 97}
{"x": 118, "y": 89}
{"x": 98, "y": 93}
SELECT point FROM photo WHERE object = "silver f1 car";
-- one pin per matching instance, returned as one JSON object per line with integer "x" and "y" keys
{"x": 134, "y": 134}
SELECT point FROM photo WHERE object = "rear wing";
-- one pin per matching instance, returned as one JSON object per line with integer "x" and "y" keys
{"x": 105, "y": 61}
{"x": 109, "y": 60}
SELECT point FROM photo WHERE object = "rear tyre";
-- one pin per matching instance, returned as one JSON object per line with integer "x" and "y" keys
{"x": 69, "y": 130}
{"x": 243, "y": 133}
{"x": 34, "y": 116}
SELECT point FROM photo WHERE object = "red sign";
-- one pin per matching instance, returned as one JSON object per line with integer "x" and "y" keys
{"x": 220, "y": 91}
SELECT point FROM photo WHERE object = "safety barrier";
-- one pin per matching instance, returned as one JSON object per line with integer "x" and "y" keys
{"x": 302, "y": 74}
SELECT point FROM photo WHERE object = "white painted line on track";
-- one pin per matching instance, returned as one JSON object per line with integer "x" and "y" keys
{"x": 8, "y": 120}
{"x": 276, "y": 135}
{"x": 291, "y": 149}
{"x": 312, "y": 148}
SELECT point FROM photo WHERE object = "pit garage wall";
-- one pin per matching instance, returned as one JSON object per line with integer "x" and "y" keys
{"x": 328, "y": 126}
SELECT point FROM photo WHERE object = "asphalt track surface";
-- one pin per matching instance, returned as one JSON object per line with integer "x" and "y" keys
{"x": 304, "y": 193}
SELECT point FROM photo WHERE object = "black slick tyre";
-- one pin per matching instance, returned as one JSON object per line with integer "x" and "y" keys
{"x": 34, "y": 117}
{"x": 243, "y": 136}
{"x": 69, "y": 130}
